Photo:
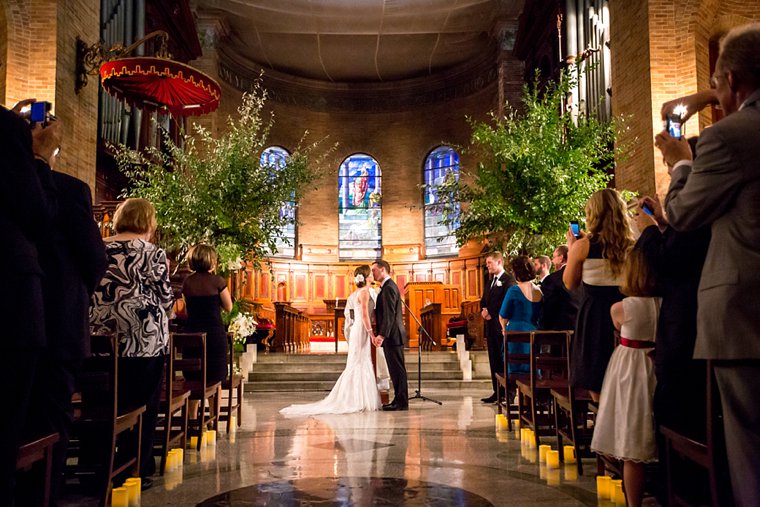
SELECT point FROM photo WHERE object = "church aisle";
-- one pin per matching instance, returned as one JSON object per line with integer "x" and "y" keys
{"x": 430, "y": 455}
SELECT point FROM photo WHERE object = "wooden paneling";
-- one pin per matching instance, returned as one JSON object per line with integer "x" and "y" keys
{"x": 320, "y": 286}
{"x": 301, "y": 287}
{"x": 420, "y": 294}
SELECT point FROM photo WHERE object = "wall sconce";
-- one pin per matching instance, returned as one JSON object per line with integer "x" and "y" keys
{"x": 90, "y": 58}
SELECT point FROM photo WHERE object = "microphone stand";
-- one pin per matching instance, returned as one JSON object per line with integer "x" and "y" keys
{"x": 418, "y": 392}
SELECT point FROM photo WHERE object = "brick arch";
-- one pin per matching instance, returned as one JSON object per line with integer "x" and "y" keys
{"x": 30, "y": 48}
{"x": 3, "y": 49}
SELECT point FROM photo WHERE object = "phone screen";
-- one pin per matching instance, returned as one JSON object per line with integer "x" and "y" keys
{"x": 647, "y": 209}
{"x": 38, "y": 112}
{"x": 575, "y": 228}
{"x": 674, "y": 128}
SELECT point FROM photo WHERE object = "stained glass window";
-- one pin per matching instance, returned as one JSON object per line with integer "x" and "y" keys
{"x": 440, "y": 165}
{"x": 359, "y": 208}
{"x": 275, "y": 157}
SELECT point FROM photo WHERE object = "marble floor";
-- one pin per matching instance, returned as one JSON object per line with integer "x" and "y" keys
{"x": 431, "y": 455}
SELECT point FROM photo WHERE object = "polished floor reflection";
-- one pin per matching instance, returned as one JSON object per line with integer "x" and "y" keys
{"x": 430, "y": 455}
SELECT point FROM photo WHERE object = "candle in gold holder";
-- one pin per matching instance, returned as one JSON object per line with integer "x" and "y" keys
{"x": 603, "y": 485}
{"x": 569, "y": 454}
{"x": 542, "y": 450}
{"x": 552, "y": 459}
{"x": 614, "y": 485}
{"x": 618, "y": 496}
{"x": 501, "y": 422}
{"x": 134, "y": 484}
{"x": 119, "y": 497}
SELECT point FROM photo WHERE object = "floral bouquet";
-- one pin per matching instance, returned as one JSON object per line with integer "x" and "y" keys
{"x": 242, "y": 326}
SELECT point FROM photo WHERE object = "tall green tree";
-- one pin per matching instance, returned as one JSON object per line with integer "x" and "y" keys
{"x": 536, "y": 168}
{"x": 216, "y": 190}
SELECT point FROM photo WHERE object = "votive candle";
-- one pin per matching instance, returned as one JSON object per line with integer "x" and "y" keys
{"x": 542, "y": 450}
{"x": 603, "y": 485}
{"x": 569, "y": 454}
{"x": 552, "y": 459}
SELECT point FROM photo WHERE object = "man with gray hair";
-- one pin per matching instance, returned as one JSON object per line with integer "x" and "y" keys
{"x": 721, "y": 187}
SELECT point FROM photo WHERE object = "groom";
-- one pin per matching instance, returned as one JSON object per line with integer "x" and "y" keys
{"x": 390, "y": 333}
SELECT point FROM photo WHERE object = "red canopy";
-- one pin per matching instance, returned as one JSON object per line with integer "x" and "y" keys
{"x": 157, "y": 84}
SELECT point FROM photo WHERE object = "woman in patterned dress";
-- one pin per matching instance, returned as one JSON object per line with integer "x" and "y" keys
{"x": 134, "y": 300}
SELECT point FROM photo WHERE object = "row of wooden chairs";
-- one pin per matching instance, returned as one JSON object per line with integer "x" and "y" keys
{"x": 100, "y": 421}
{"x": 548, "y": 404}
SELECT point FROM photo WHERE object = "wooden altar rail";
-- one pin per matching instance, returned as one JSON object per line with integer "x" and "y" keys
{"x": 293, "y": 327}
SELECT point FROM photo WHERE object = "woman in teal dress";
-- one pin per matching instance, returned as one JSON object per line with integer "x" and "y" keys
{"x": 521, "y": 306}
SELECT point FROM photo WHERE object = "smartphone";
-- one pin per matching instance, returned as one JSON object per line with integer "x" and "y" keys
{"x": 575, "y": 228}
{"x": 674, "y": 126}
{"x": 40, "y": 112}
{"x": 648, "y": 210}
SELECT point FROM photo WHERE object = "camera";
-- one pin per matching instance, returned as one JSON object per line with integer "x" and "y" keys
{"x": 40, "y": 113}
{"x": 674, "y": 126}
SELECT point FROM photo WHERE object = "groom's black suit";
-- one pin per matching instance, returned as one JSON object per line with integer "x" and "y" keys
{"x": 390, "y": 325}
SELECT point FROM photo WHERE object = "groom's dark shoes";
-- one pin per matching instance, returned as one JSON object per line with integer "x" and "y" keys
{"x": 490, "y": 399}
{"x": 395, "y": 406}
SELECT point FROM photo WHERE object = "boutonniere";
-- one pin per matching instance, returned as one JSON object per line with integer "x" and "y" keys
{"x": 498, "y": 283}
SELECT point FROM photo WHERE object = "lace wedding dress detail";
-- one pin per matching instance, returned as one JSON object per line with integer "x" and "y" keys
{"x": 356, "y": 388}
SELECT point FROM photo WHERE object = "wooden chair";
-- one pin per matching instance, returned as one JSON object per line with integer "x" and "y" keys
{"x": 507, "y": 382}
{"x": 548, "y": 370}
{"x": 35, "y": 451}
{"x": 572, "y": 411}
{"x": 172, "y": 422}
{"x": 710, "y": 455}
{"x": 100, "y": 421}
{"x": 189, "y": 356}
{"x": 233, "y": 387}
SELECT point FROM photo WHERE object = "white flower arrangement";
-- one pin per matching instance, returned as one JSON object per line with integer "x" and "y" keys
{"x": 242, "y": 326}
{"x": 359, "y": 278}
{"x": 498, "y": 283}
{"x": 234, "y": 265}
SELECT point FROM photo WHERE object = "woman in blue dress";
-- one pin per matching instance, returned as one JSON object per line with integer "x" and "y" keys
{"x": 521, "y": 306}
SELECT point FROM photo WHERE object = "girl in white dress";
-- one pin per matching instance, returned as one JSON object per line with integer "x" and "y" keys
{"x": 625, "y": 424}
{"x": 356, "y": 389}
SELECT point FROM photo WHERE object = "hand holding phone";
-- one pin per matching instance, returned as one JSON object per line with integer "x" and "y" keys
{"x": 674, "y": 126}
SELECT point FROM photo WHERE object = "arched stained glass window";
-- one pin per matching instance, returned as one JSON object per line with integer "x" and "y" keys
{"x": 359, "y": 208}
{"x": 441, "y": 164}
{"x": 275, "y": 157}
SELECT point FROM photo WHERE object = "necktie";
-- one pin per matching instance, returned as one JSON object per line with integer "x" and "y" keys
{"x": 493, "y": 281}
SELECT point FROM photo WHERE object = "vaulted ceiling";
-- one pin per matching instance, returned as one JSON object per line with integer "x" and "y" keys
{"x": 352, "y": 41}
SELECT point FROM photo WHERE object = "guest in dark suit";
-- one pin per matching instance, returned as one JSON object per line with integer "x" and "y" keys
{"x": 74, "y": 259}
{"x": 560, "y": 307}
{"x": 27, "y": 202}
{"x": 721, "y": 189}
{"x": 391, "y": 333}
{"x": 493, "y": 296}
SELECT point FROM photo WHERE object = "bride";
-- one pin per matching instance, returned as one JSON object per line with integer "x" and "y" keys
{"x": 356, "y": 388}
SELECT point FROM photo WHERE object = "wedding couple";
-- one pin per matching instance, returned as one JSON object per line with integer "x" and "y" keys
{"x": 356, "y": 389}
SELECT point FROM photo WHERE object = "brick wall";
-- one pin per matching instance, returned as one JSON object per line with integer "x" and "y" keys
{"x": 3, "y": 50}
{"x": 39, "y": 61}
{"x": 665, "y": 57}
{"x": 78, "y": 113}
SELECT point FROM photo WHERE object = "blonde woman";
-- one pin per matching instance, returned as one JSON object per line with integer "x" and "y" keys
{"x": 596, "y": 261}
{"x": 356, "y": 388}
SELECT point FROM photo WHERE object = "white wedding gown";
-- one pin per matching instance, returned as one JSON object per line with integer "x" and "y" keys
{"x": 356, "y": 388}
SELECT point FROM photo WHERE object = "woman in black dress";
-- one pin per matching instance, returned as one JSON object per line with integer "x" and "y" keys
{"x": 596, "y": 260}
{"x": 206, "y": 294}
